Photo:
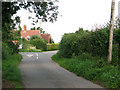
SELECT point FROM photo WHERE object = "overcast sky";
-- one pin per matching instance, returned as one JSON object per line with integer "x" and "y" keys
{"x": 75, "y": 14}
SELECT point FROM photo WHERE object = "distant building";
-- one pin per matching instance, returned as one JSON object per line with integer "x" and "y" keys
{"x": 28, "y": 33}
{"x": 119, "y": 9}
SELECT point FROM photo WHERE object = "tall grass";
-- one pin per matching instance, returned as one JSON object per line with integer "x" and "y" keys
{"x": 92, "y": 68}
{"x": 10, "y": 69}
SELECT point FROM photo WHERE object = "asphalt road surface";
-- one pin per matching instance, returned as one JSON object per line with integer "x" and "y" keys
{"x": 39, "y": 71}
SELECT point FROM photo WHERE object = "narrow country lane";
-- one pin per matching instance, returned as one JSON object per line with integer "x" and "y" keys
{"x": 39, "y": 71}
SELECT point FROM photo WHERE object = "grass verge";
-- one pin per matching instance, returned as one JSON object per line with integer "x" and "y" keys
{"x": 29, "y": 50}
{"x": 91, "y": 68}
{"x": 34, "y": 50}
{"x": 10, "y": 71}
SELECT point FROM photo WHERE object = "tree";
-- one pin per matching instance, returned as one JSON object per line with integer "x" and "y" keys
{"x": 8, "y": 10}
{"x": 46, "y": 11}
{"x": 33, "y": 28}
{"x": 51, "y": 40}
{"x": 38, "y": 28}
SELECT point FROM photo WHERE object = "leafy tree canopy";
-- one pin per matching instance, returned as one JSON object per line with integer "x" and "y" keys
{"x": 44, "y": 10}
{"x": 38, "y": 28}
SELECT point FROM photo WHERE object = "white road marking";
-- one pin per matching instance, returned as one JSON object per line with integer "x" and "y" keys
{"x": 30, "y": 55}
{"x": 37, "y": 55}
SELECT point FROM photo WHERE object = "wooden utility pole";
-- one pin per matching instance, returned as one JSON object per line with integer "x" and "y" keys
{"x": 111, "y": 32}
{"x": 119, "y": 10}
{"x": 119, "y": 35}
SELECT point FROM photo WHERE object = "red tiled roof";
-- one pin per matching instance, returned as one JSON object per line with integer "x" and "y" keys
{"x": 30, "y": 33}
{"x": 46, "y": 37}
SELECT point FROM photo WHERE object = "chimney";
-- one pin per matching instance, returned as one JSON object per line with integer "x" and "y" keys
{"x": 24, "y": 28}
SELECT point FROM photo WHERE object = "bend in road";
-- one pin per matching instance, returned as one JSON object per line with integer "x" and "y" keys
{"x": 39, "y": 71}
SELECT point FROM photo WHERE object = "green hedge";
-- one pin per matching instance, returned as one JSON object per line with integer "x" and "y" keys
{"x": 53, "y": 46}
{"x": 70, "y": 43}
{"x": 94, "y": 43}
{"x": 39, "y": 43}
{"x": 5, "y": 51}
{"x": 8, "y": 49}
{"x": 35, "y": 37}
{"x": 30, "y": 50}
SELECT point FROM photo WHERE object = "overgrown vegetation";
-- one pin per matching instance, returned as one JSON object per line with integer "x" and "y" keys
{"x": 26, "y": 44}
{"x": 30, "y": 50}
{"x": 9, "y": 23}
{"x": 54, "y": 46}
{"x": 39, "y": 43}
{"x": 10, "y": 55}
{"x": 10, "y": 62}
{"x": 85, "y": 53}
{"x": 92, "y": 68}
{"x": 94, "y": 43}
{"x": 35, "y": 37}
{"x": 38, "y": 28}
{"x": 10, "y": 70}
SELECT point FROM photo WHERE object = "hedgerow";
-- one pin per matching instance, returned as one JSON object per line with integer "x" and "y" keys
{"x": 39, "y": 43}
{"x": 94, "y": 43}
{"x": 85, "y": 53}
{"x": 35, "y": 37}
{"x": 53, "y": 46}
{"x": 69, "y": 43}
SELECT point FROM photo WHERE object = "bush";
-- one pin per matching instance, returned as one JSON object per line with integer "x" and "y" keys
{"x": 94, "y": 69}
{"x": 30, "y": 50}
{"x": 10, "y": 69}
{"x": 111, "y": 78}
{"x": 39, "y": 43}
{"x": 8, "y": 49}
{"x": 69, "y": 43}
{"x": 23, "y": 39}
{"x": 54, "y": 46}
{"x": 14, "y": 48}
{"x": 5, "y": 51}
{"x": 12, "y": 74}
{"x": 35, "y": 37}
{"x": 94, "y": 43}
{"x": 26, "y": 44}
{"x": 115, "y": 55}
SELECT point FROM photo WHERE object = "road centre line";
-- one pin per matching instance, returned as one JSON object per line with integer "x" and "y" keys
{"x": 37, "y": 55}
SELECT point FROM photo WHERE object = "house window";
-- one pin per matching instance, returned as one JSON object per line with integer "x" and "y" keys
{"x": 28, "y": 38}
